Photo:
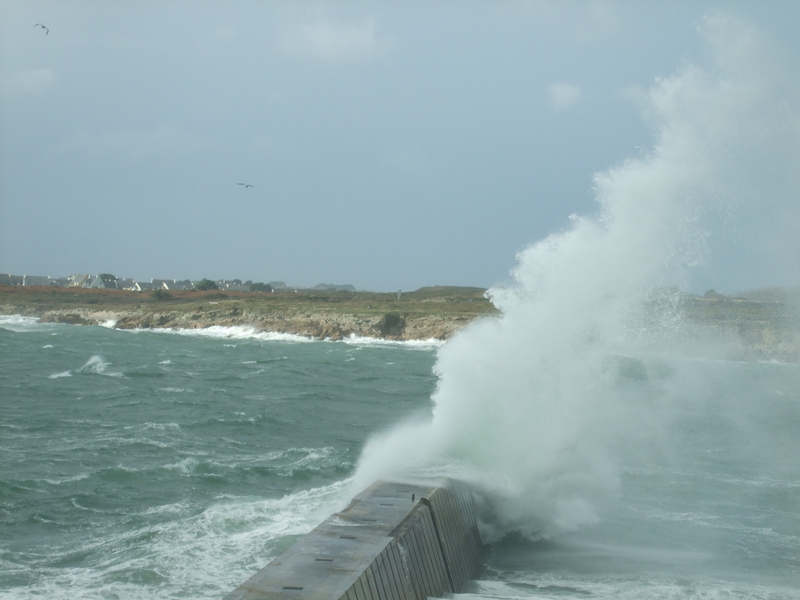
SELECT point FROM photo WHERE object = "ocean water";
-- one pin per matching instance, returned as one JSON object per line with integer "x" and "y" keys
{"x": 153, "y": 464}
{"x": 174, "y": 465}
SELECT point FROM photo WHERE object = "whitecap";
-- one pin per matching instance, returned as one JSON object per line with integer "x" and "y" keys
{"x": 429, "y": 344}
{"x": 234, "y": 332}
{"x": 72, "y": 479}
{"x": 21, "y": 324}
{"x": 98, "y": 365}
{"x": 60, "y": 375}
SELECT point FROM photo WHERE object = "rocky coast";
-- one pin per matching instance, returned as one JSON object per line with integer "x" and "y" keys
{"x": 431, "y": 313}
{"x": 761, "y": 326}
{"x": 318, "y": 325}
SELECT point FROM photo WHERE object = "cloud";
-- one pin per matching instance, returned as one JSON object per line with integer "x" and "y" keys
{"x": 563, "y": 95}
{"x": 332, "y": 42}
{"x": 32, "y": 81}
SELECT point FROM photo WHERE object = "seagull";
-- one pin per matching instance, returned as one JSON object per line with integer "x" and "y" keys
{"x": 46, "y": 30}
{"x": 246, "y": 185}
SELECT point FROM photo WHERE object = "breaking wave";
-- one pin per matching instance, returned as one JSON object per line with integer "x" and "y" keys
{"x": 531, "y": 406}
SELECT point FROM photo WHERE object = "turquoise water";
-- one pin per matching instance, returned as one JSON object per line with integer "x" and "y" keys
{"x": 145, "y": 464}
{"x": 156, "y": 465}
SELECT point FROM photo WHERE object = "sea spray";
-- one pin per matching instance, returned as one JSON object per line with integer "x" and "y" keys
{"x": 533, "y": 406}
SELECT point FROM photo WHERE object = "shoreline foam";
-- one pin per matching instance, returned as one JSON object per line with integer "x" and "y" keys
{"x": 426, "y": 330}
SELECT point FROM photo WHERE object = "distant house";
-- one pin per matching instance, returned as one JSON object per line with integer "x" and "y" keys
{"x": 182, "y": 285}
{"x": 80, "y": 280}
{"x": 143, "y": 286}
{"x": 35, "y": 280}
{"x": 162, "y": 284}
{"x": 124, "y": 283}
{"x": 9, "y": 279}
{"x": 103, "y": 284}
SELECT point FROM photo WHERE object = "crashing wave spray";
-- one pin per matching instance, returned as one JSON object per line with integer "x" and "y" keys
{"x": 527, "y": 405}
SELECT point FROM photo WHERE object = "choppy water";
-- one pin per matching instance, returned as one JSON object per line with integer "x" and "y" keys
{"x": 148, "y": 464}
{"x": 152, "y": 465}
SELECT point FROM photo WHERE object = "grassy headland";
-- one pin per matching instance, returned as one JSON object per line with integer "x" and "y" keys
{"x": 432, "y": 312}
{"x": 759, "y": 325}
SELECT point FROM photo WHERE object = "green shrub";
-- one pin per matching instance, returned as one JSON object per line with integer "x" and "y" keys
{"x": 161, "y": 294}
{"x": 205, "y": 284}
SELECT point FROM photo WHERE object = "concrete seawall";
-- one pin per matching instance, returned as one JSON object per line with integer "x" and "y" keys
{"x": 394, "y": 541}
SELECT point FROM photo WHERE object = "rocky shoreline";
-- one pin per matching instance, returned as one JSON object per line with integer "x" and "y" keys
{"x": 749, "y": 330}
{"x": 311, "y": 324}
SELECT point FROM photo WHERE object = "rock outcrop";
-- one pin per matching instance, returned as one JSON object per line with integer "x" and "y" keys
{"x": 318, "y": 325}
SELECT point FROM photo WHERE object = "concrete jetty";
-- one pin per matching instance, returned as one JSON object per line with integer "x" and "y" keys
{"x": 394, "y": 541}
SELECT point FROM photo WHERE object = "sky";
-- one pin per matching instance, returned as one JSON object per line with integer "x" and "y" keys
{"x": 389, "y": 145}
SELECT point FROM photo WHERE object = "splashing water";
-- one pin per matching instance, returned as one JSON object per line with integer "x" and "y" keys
{"x": 528, "y": 405}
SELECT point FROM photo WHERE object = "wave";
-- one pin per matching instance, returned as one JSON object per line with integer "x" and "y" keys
{"x": 98, "y": 365}
{"x": 356, "y": 340}
{"x": 184, "y": 552}
{"x": 60, "y": 375}
{"x": 535, "y": 402}
{"x": 240, "y": 332}
{"x": 21, "y": 324}
{"x": 237, "y": 332}
{"x": 519, "y": 586}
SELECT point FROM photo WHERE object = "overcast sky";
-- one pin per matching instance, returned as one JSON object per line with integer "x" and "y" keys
{"x": 390, "y": 145}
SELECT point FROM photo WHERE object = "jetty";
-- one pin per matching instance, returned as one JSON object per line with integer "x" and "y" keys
{"x": 394, "y": 541}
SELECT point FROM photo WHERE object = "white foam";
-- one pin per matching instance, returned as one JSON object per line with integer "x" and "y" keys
{"x": 233, "y": 332}
{"x": 428, "y": 344}
{"x": 187, "y": 554}
{"x": 72, "y": 479}
{"x": 98, "y": 365}
{"x": 531, "y": 400}
{"x": 20, "y": 324}
{"x": 547, "y": 585}
{"x": 238, "y": 332}
{"x": 60, "y": 375}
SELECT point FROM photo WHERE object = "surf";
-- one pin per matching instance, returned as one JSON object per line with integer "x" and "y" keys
{"x": 531, "y": 406}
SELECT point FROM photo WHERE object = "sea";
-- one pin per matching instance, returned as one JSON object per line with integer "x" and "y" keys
{"x": 175, "y": 464}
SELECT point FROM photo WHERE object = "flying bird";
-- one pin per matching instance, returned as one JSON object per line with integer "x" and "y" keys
{"x": 246, "y": 185}
{"x": 46, "y": 30}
